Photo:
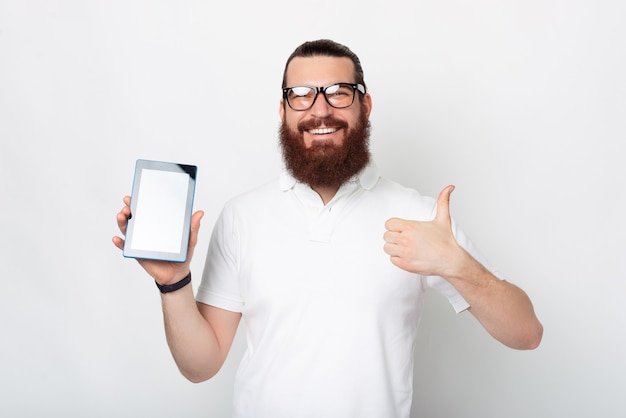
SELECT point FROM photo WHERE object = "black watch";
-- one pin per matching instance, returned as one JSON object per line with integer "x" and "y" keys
{"x": 167, "y": 288}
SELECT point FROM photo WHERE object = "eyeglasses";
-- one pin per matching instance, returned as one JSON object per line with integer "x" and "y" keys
{"x": 338, "y": 95}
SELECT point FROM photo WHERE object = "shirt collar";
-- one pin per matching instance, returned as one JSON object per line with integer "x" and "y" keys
{"x": 366, "y": 178}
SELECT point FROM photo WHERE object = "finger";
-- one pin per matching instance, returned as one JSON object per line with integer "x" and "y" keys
{"x": 443, "y": 205}
{"x": 387, "y": 248}
{"x": 397, "y": 261}
{"x": 126, "y": 200}
{"x": 391, "y": 237}
{"x": 394, "y": 224}
{"x": 195, "y": 221}
{"x": 118, "y": 242}
{"x": 390, "y": 249}
{"x": 122, "y": 219}
{"x": 195, "y": 227}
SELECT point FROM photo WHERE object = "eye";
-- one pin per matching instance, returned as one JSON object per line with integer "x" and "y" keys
{"x": 339, "y": 90}
{"x": 301, "y": 91}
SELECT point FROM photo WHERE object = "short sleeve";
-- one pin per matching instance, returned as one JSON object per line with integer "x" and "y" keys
{"x": 220, "y": 284}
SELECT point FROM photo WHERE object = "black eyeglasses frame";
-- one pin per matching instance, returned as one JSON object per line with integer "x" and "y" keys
{"x": 355, "y": 87}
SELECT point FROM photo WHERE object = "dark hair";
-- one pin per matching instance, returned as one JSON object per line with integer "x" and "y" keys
{"x": 326, "y": 48}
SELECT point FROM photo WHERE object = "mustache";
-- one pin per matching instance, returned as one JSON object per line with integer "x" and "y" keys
{"x": 318, "y": 122}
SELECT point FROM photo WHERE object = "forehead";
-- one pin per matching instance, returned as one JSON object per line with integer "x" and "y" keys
{"x": 320, "y": 71}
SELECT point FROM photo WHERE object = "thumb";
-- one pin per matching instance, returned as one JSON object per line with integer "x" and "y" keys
{"x": 195, "y": 226}
{"x": 443, "y": 205}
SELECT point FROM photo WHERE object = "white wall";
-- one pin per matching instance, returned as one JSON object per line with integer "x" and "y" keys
{"x": 520, "y": 104}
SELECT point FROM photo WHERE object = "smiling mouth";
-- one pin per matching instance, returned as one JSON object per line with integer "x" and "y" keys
{"x": 322, "y": 131}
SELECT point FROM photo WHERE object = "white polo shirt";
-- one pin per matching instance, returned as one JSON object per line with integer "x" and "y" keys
{"x": 331, "y": 322}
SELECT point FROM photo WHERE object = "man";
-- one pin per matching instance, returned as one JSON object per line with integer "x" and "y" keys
{"x": 327, "y": 266}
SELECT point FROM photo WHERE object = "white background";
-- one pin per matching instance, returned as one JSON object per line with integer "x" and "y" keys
{"x": 520, "y": 104}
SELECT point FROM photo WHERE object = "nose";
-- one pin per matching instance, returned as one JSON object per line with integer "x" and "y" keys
{"x": 320, "y": 108}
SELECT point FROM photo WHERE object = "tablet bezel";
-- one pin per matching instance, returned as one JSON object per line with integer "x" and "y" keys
{"x": 140, "y": 166}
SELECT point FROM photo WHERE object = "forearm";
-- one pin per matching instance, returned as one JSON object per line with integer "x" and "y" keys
{"x": 191, "y": 339}
{"x": 503, "y": 309}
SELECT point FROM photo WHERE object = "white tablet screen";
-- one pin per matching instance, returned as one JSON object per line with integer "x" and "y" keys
{"x": 161, "y": 210}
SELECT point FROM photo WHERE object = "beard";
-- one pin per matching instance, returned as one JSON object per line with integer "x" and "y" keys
{"x": 326, "y": 164}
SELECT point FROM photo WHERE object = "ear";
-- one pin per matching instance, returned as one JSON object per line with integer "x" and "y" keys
{"x": 367, "y": 104}
{"x": 281, "y": 110}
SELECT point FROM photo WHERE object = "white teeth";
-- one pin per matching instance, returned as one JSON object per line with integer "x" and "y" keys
{"x": 322, "y": 131}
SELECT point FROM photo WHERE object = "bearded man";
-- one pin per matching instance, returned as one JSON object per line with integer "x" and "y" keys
{"x": 327, "y": 266}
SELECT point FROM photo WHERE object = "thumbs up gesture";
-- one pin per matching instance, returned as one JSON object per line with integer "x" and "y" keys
{"x": 427, "y": 248}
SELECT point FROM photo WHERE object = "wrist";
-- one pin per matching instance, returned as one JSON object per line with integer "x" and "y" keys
{"x": 168, "y": 288}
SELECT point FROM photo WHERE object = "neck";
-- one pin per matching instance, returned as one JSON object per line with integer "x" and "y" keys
{"x": 326, "y": 192}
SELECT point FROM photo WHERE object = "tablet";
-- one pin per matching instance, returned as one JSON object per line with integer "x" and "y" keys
{"x": 161, "y": 204}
